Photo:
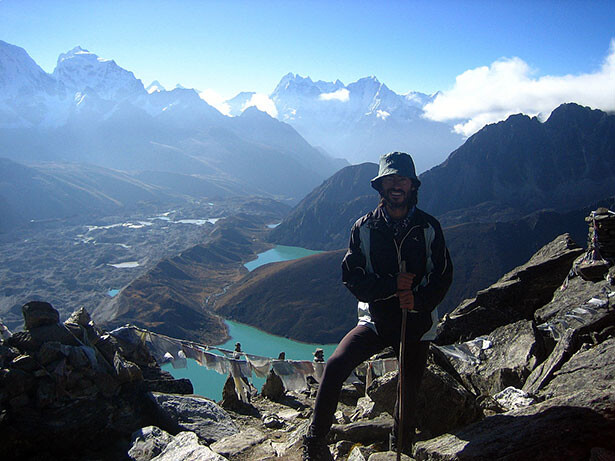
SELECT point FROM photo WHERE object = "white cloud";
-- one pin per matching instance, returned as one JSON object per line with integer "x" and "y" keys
{"x": 383, "y": 114}
{"x": 490, "y": 94}
{"x": 340, "y": 95}
{"x": 214, "y": 99}
{"x": 263, "y": 103}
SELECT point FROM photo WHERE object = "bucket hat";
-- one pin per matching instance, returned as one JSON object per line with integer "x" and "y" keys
{"x": 395, "y": 163}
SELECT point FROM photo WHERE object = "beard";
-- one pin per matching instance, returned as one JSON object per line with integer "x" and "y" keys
{"x": 408, "y": 202}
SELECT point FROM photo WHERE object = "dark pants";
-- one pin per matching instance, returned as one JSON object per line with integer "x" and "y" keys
{"x": 357, "y": 346}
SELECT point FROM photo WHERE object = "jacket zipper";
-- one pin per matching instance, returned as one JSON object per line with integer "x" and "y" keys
{"x": 398, "y": 247}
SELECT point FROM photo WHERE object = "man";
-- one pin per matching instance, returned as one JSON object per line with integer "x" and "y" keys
{"x": 396, "y": 259}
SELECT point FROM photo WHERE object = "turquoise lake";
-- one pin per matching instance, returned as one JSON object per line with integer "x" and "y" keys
{"x": 279, "y": 253}
{"x": 253, "y": 341}
{"x": 209, "y": 383}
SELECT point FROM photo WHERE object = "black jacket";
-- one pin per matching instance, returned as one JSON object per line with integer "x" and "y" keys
{"x": 373, "y": 280}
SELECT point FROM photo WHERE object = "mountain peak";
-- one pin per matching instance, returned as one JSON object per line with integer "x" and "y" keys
{"x": 79, "y": 69}
{"x": 155, "y": 87}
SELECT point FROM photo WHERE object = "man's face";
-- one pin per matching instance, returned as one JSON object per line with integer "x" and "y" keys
{"x": 396, "y": 190}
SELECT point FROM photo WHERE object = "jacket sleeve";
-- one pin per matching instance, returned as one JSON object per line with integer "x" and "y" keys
{"x": 427, "y": 296}
{"x": 365, "y": 286}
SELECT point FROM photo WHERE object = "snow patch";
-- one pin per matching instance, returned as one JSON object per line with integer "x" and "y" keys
{"x": 341, "y": 95}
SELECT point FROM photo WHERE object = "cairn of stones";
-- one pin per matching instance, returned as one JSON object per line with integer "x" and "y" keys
{"x": 600, "y": 245}
{"x": 602, "y": 233}
{"x": 70, "y": 387}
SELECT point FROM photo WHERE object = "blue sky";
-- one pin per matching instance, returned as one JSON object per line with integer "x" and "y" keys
{"x": 249, "y": 45}
{"x": 231, "y": 46}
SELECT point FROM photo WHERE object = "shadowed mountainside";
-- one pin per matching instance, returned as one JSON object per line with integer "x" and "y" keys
{"x": 171, "y": 298}
{"x": 322, "y": 220}
{"x": 563, "y": 163}
{"x": 302, "y": 299}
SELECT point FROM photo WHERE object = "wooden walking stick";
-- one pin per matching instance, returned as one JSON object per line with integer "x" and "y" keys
{"x": 400, "y": 377}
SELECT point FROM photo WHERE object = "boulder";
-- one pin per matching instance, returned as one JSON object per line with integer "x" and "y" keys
{"x": 38, "y": 313}
{"x": 580, "y": 312}
{"x": 588, "y": 371}
{"x": 443, "y": 403}
{"x": 185, "y": 446}
{"x": 235, "y": 444}
{"x": 31, "y": 340}
{"x": 505, "y": 358}
{"x": 148, "y": 442}
{"x": 565, "y": 427}
{"x": 364, "y": 432}
{"x": 543, "y": 373}
{"x": 198, "y": 414}
{"x": 579, "y": 305}
{"x": 516, "y": 296}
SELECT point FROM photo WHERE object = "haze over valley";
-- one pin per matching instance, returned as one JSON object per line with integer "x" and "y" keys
{"x": 108, "y": 185}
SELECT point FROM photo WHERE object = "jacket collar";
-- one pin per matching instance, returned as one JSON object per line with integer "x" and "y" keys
{"x": 378, "y": 218}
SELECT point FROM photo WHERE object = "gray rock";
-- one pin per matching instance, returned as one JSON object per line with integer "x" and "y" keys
{"x": 38, "y": 313}
{"x": 148, "y": 442}
{"x": 49, "y": 352}
{"x": 516, "y": 296}
{"x": 559, "y": 428}
{"x": 512, "y": 353}
{"x": 233, "y": 445}
{"x": 273, "y": 388}
{"x": 388, "y": 456}
{"x": 342, "y": 449}
{"x": 512, "y": 398}
{"x": 359, "y": 453}
{"x": 272, "y": 421}
{"x": 31, "y": 340}
{"x": 185, "y": 446}
{"x": 25, "y": 362}
{"x": 571, "y": 308}
{"x": 543, "y": 373}
{"x": 443, "y": 402}
{"x": 125, "y": 370}
{"x": 364, "y": 432}
{"x": 80, "y": 317}
{"x": 592, "y": 370}
{"x": 198, "y": 414}
{"x": 364, "y": 409}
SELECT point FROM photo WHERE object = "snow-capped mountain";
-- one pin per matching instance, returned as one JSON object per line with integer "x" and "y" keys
{"x": 90, "y": 110}
{"x": 239, "y": 103}
{"x": 363, "y": 120}
{"x": 26, "y": 90}
{"x": 82, "y": 71}
{"x": 155, "y": 87}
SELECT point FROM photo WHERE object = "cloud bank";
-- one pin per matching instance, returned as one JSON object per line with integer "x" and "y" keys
{"x": 342, "y": 95}
{"x": 263, "y": 103}
{"x": 491, "y": 94}
{"x": 214, "y": 99}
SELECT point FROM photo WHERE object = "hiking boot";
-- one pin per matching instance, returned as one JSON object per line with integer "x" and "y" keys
{"x": 315, "y": 449}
